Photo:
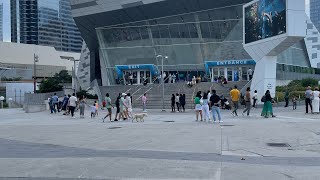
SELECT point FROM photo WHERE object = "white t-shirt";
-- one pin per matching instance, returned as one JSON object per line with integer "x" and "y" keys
{"x": 255, "y": 96}
{"x": 73, "y": 101}
{"x": 128, "y": 102}
{"x": 177, "y": 99}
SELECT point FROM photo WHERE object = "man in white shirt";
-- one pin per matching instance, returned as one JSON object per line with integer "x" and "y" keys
{"x": 73, "y": 104}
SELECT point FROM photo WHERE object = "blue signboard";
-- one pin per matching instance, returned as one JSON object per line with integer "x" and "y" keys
{"x": 151, "y": 67}
{"x": 210, "y": 64}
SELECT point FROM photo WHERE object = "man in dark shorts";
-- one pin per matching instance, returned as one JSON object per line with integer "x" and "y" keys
{"x": 108, "y": 106}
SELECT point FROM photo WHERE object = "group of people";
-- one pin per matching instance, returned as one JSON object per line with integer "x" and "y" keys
{"x": 179, "y": 101}
{"x": 312, "y": 100}
{"x": 68, "y": 104}
{"x": 206, "y": 102}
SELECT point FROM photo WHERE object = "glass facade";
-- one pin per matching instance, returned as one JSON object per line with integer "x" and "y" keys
{"x": 315, "y": 12}
{"x": 1, "y": 22}
{"x": 188, "y": 40}
{"x": 45, "y": 22}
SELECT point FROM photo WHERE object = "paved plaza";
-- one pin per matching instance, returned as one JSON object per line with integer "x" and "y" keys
{"x": 166, "y": 146}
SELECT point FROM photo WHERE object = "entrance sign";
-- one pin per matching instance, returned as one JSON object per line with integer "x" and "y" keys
{"x": 209, "y": 64}
{"x": 151, "y": 67}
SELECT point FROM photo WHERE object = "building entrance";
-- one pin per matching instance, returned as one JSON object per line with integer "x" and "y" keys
{"x": 137, "y": 77}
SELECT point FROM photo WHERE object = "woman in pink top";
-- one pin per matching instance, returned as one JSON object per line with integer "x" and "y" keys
{"x": 144, "y": 102}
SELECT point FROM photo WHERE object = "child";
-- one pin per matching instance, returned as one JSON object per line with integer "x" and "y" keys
{"x": 97, "y": 107}
{"x": 294, "y": 102}
{"x": 93, "y": 110}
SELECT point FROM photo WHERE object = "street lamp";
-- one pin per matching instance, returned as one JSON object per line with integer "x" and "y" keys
{"x": 74, "y": 70}
{"x": 35, "y": 60}
{"x": 162, "y": 79}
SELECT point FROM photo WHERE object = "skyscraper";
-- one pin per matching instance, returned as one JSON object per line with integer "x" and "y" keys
{"x": 45, "y": 22}
{"x": 315, "y": 13}
{"x": 1, "y": 22}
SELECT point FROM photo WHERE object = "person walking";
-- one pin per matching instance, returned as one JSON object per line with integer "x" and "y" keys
{"x": 205, "y": 107}
{"x": 315, "y": 100}
{"x": 55, "y": 101}
{"x": 182, "y": 102}
{"x": 50, "y": 102}
{"x": 267, "y": 110}
{"x": 308, "y": 95}
{"x": 255, "y": 98}
{"x": 173, "y": 103}
{"x": 73, "y": 104}
{"x": 117, "y": 108}
{"x": 123, "y": 106}
{"x": 247, "y": 99}
{"x": 214, "y": 103}
{"x": 235, "y": 96}
{"x": 129, "y": 105}
{"x": 178, "y": 102}
{"x": 109, "y": 107}
{"x": 82, "y": 103}
{"x": 144, "y": 103}
{"x": 286, "y": 98}
{"x": 198, "y": 107}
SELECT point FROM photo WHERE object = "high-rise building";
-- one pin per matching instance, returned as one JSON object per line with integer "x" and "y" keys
{"x": 45, "y": 22}
{"x": 1, "y": 22}
{"x": 315, "y": 13}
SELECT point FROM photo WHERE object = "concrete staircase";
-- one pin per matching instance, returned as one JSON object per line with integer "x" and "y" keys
{"x": 154, "y": 92}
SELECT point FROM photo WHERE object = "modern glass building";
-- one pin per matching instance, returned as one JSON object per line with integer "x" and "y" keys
{"x": 201, "y": 38}
{"x": 315, "y": 12}
{"x": 1, "y": 22}
{"x": 45, "y": 22}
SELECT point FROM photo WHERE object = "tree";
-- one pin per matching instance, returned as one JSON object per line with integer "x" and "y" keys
{"x": 50, "y": 85}
{"x": 63, "y": 77}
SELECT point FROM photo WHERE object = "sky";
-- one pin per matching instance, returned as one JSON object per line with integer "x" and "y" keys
{"x": 6, "y": 20}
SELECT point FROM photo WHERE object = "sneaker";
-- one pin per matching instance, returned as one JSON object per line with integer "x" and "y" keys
{"x": 116, "y": 120}
{"x": 214, "y": 122}
{"x": 73, "y": 117}
{"x": 220, "y": 121}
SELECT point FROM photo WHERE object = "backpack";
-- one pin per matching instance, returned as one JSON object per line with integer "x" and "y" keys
{"x": 263, "y": 99}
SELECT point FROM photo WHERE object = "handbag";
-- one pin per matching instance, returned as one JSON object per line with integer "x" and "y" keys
{"x": 263, "y": 99}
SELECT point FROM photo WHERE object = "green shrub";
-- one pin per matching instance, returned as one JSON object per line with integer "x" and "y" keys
{"x": 280, "y": 95}
{"x": 309, "y": 82}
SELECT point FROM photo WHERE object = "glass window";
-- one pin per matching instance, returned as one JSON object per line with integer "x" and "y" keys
{"x": 164, "y": 31}
{"x": 174, "y": 31}
{"x": 155, "y": 31}
{"x": 193, "y": 30}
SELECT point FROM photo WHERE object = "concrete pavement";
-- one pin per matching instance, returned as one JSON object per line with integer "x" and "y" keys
{"x": 53, "y": 146}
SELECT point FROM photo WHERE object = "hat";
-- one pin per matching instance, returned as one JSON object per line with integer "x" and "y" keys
{"x": 123, "y": 94}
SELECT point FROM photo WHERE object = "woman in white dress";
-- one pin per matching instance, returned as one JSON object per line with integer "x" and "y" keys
{"x": 315, "y": 100}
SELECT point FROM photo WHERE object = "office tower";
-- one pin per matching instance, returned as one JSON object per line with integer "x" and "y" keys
{"x": 315, "y": 13}
{"x": 45, "y": 22}
{"x": 1, "y": 22}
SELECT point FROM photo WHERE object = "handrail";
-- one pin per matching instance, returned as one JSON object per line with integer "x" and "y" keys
{"x": 244, "y": 88}
{"x": 143, "y": 93}
{"x": 137, "y": 91}
{"x": 128, "y": 90}
{"x": 163, "y": 81}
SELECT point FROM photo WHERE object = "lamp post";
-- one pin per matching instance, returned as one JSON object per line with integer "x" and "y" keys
{"x": 162, "y": 79}
{"x": 74, "y": 77}
{"x": 35, "y": 60}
